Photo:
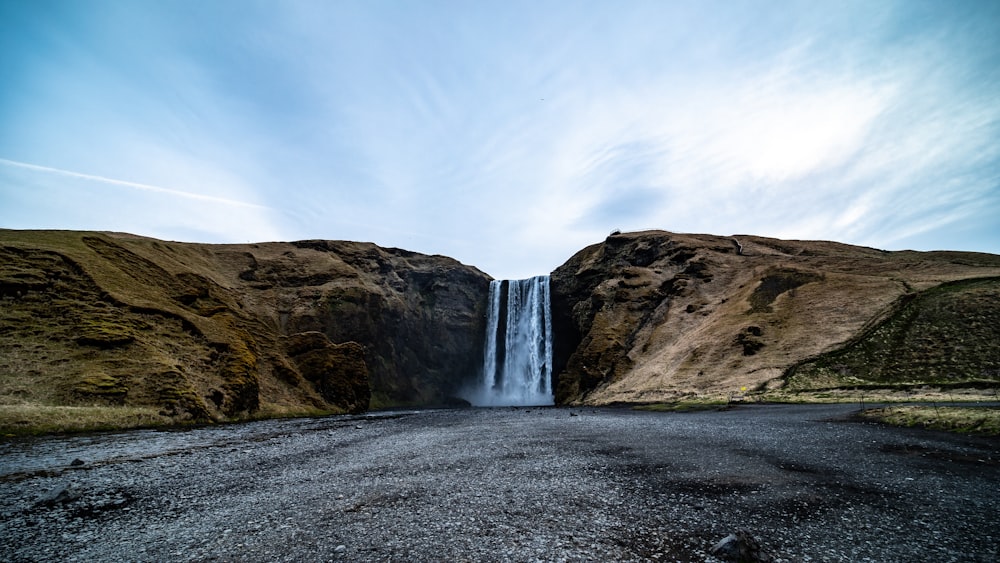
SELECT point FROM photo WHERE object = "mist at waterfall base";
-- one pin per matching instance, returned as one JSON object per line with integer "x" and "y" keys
{"x": 517, "y": 357}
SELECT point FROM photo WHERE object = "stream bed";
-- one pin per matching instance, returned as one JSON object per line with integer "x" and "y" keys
{"x": 506, "y": 484}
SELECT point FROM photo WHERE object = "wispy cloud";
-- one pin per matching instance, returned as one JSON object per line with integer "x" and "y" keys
{"x": 134, "y": 185}
{"x": 509, "y": 135}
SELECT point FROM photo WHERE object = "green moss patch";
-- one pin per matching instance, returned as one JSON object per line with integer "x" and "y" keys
{"x": 101, "y": 384}
{"x": 947, "y": 335}
{"x": 968, "y": 420}
{"x": 775, "y": 283}
{"x": 103, "y": 333}
{"x": 32, "y": 419}
{"x": 684, "y": 406}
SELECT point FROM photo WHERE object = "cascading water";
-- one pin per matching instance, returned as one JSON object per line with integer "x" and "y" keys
{"x": 517, "y": 362}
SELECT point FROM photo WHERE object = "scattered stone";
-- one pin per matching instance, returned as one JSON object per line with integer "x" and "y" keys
{"x": 740, "y": 547}
{"x": 77, "y": 462}
{"x": 59, "y": 495}
{"x": 340, "y": 549}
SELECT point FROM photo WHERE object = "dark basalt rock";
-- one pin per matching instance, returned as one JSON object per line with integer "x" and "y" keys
{"x": 62, "y": 494}
{"x": 338, "y": 371}
{"x": 604, "y": 295}
{"x": 419, "y": 318}
{"x": 740, "y": 547}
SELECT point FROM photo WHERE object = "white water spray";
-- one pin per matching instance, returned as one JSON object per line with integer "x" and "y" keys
{"x": 517, "y": 362}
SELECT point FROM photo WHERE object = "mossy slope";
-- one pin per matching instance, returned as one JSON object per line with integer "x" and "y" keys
{"x": 190, "y": 332}
{"x": 200, "y": 332}
{"x": 653, "y": 316}
{"x": 948, "y": 335}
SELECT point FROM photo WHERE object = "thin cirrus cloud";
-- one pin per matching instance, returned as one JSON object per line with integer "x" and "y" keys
{"x": 505, "y": 135}
{"x": 72, "y": 199}
{"x": 127, "y": 184}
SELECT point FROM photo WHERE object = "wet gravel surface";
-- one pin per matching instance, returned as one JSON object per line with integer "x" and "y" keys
{"x": 506, "y": 485}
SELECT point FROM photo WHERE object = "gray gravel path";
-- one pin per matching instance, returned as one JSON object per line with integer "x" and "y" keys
{"x": 506, "y": 485}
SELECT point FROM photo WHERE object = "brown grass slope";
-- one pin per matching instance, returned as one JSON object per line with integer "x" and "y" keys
{"x": 199, "y": 332}
{"x": 112, "y": 330}
{"x": 656, "y": 316}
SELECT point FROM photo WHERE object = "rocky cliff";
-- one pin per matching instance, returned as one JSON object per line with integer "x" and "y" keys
{"x": 211, "y": 332}
{"x": 217, "y": 332}
{"x": 656, "y": 316}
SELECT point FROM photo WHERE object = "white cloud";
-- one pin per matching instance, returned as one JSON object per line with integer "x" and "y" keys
{"x": 509, "y": 136}
{"x": 135, "y": 185}
{"x": 75, "y": 200}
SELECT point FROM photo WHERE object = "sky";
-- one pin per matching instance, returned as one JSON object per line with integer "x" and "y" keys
{"x": 505, "y": 134}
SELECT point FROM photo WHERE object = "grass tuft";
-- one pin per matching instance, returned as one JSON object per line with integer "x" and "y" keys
{"x": 33, "y": 419}
{"x": 690, "y": 405}
{"x": 965, "y": 420}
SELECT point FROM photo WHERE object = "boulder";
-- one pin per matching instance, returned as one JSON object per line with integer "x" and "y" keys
{"x": 740, "y": 547}
{"x": 62, "y": 494}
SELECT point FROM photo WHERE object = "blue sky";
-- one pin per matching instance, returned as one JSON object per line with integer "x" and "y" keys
{"x": 508, "y": 134}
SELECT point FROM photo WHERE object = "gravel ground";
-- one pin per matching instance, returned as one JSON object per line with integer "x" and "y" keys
{"x": 523, "y": 484}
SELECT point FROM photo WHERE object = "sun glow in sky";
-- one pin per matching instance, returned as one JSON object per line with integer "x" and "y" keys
{"x": 507, "y": 134}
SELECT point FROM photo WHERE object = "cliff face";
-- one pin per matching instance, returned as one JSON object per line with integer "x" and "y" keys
{"x": 421, "y": 318}
{"x": 208, "y": 332}
{"x": 212, "y": 332}
{"x": 656, "y": 316}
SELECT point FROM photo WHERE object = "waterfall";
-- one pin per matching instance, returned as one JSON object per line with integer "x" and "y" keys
{"x": 517, "y": 361}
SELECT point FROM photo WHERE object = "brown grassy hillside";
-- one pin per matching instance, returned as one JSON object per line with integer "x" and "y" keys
{"x": 656, "y": 316}
{"x": 158, "y": 331}
{"x": 114, "y": 330}
{"x": 945, "y": 336}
